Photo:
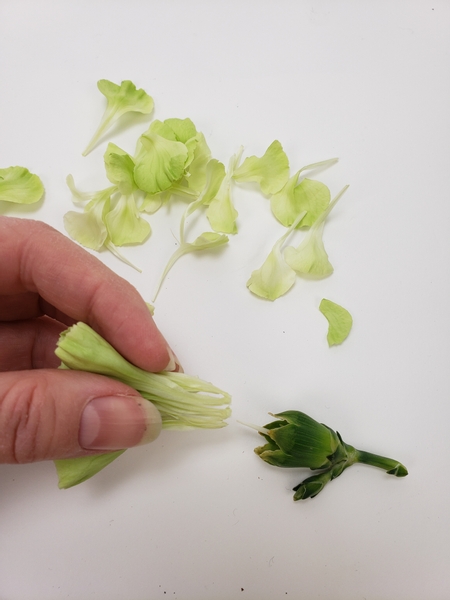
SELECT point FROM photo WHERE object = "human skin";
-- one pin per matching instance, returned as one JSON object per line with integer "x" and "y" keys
{"x": 46, "y": 284}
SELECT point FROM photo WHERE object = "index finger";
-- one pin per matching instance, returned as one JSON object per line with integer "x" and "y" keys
{"x": 36, "y": 258}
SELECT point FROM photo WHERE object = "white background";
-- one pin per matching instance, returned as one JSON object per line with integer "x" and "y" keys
{"x": 197, "y": 516}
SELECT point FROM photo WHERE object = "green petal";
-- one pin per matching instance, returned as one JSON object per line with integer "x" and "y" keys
{"x": 124, "y": 223}
{"x": 196, "y": 172}
{"x": 312, "y": 196}
{"x": 126, "y": 97}
{"x": 88, "y": 228}
{"x": 310, "y": 258}
{"x": 159, "y": 163}
{"x": 275, "y": 277}
{"x": 271, "y": 170}
{"x": 221, "y": 213}
{"x": 183, "y": 129}
{"x": 208, "y": 239}
{"x": 284, "y": 204}
{"x": 119, "y": 168}
{"x": 339, "y": 321}
{"x": 153, "y": 202}
{"x": 121, "y": 99}
{"x": 20, "y": 186}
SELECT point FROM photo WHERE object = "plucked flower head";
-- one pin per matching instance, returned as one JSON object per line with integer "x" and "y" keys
{"x": 296, "y": 440}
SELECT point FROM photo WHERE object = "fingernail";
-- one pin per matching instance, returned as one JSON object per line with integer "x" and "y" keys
{"x": 116, "y": 422}
{"x": 174, "y": 363}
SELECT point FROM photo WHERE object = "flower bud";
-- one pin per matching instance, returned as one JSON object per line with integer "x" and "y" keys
{"x": 296, "y": 440}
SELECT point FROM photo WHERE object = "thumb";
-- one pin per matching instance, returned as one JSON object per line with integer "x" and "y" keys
{"x": 52, "y": 414}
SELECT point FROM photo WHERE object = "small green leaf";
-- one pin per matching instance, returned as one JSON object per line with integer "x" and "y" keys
{"x": 339, "y": 321}
{"x": 19, "y": 186}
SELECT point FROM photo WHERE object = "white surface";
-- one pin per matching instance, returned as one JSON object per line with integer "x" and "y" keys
{"x": 197, "y": 515}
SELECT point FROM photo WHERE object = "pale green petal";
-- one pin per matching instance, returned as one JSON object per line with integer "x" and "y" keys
{"x": 19, "y": 186}
{"x": 178, "y": 130}
{"x": 339, "y": 321}
{"x": 271, "y": 170}
{"x": 309, "y": 195}
{"x": 159, "y": 163}
{"x": 215, "y": 175}
{"x": 119, "y": 168}
{"x": 81, "y": 198}
{"x": 312, "y": 196}
{"x": 196, "y": 172}
{"x": 310, "y": 258}
{"x": 205, "y": 241}
{"x": 183, "y": 129}
{"x": 221, "y": 213}
{"x": 162, "y": 129}
{"x": 126, "y": 97}
{"x": 275, "y": 277}
{"x": 88, "y": 228}
{"x": 121, "y": 99}
{"x": 153, "y": 202}
{"x": 208, "y": 239}
{"x": 124, "y": 223}
{"x": 284, "y": 205}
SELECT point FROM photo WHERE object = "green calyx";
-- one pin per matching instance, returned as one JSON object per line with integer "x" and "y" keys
{"x": 296, "y": 440}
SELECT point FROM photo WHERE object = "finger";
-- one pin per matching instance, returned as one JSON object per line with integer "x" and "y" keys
{"x": 29, "y": 305}
{"x": 52, "y": 414}
{"x": 38, "y": 259}
{"x": 29, "y": 344}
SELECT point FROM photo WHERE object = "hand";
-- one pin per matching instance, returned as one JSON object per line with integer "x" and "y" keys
{"x": 46, "y": 284}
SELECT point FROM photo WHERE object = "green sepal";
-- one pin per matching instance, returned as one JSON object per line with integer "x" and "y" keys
{"x": 72, "y": 471}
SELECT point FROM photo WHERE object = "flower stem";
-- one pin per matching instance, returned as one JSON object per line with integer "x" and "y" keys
{"x": 391, "y": 466}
